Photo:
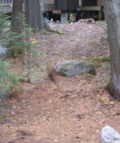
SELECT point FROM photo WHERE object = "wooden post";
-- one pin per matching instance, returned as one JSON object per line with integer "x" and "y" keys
{"x": 99, "y": 12}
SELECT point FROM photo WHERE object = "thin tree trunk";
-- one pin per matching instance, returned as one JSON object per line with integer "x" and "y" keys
{"x": 17, "y": 9}
{"x": 112, "y": 15}
{"x": 33, "y": 13}
{"x": 15, "y": 26}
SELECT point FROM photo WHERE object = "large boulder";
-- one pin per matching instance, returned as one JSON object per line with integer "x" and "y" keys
{"x": 72, "y": 68}
{"x": 109, "y": 135}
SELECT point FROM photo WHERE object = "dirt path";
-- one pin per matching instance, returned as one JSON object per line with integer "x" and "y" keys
{"x": 73, "y": 110}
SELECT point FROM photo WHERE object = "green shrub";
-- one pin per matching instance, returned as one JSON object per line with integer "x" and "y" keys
{"x": 3, "y": 22}
{"x": 7, "y": 80}
{"x": 71, "y": 18}
{"x": 20, "y": 43}
{"x": 14, "y": 41}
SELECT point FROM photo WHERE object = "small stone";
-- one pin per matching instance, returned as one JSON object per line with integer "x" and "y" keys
{"x": 109, "y": 135}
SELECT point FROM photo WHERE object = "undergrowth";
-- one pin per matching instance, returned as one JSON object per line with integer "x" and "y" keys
{"x": 98, "y": 60}
{"x": 8, "y": 81}
{"x": 22, "y": 43}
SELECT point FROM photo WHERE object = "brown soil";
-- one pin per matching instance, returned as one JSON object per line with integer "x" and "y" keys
{"x": 71, "y": 110}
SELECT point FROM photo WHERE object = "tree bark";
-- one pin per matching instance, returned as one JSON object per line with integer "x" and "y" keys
{"x": 33, "y": 14}
{"x": 112, "y": 15}
{"x": 17, "y": 9}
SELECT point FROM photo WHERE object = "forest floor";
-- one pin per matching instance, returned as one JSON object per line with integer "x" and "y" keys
{"x": 72, "y": 110}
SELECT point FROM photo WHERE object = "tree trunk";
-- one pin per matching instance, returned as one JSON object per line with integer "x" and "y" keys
{"x": 112, "y": 15}
{"x": 33, "y": 14}
{"x": 17, "y": 9}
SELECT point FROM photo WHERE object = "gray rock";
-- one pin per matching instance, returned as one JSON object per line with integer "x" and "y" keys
{"x": 109, "y": 135}
{"x": 72, "y": 68}
{"x": 46, "y": 20}
{"x": 2, "y": 51}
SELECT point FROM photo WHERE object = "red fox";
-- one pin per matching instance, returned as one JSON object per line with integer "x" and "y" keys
{"x": 52, "y": 72}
